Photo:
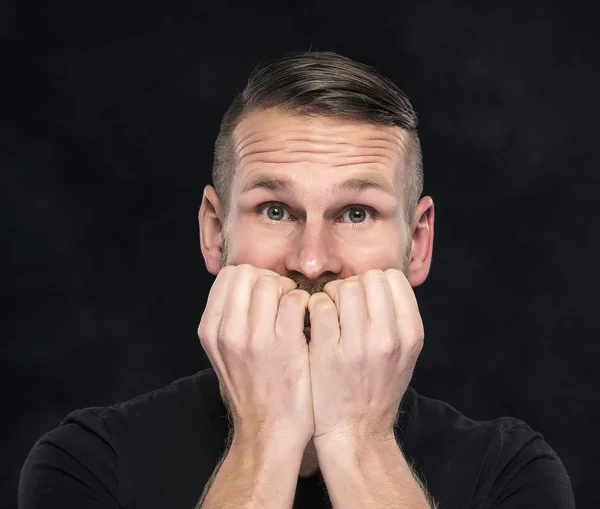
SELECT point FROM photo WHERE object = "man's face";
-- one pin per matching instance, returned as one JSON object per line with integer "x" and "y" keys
{"x": 311, "y": 227}
{"x": 314, "y": 230}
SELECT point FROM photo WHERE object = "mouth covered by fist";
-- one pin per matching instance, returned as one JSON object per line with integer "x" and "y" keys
{"x": 343, "y": 380}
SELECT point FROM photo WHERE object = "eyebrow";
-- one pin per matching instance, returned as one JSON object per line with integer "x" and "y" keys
{"x": 285, "y": 186}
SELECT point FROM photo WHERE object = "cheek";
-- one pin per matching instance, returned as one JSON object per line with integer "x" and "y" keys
{"x": 256, "y": 247}
{"x": 376, "y": 253}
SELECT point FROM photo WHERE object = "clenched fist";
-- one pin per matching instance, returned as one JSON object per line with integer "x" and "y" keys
{"x": 367, "y": 334}
{"x": 252, "y": 332}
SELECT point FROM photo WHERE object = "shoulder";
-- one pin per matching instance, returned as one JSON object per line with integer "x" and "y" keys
{"x": 430, "y": 418}
{"x": 502, "y": 462}
{"x": 191, "y": 399}
{"x": 95, "y": 451}
{"x": 185, "y": 398}
{"x": 186, "y": 409}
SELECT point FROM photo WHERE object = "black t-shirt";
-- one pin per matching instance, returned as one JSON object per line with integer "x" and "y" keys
{"x": 160, "y": 449}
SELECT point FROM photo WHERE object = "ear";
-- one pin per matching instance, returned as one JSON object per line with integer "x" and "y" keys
{"x": 210, "y": 223}
{"x": 422, "y": 242}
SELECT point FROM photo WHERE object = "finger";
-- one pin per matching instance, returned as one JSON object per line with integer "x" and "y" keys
{"x": 408, "y": 317}
{"x": 233, "y": 329}
{"x": 354, "y": 318}
{"x": 332, "y": 290}
{"x": 232, "y": 332}
{"x": 265, "y": 296}
{"x": 381, "y": 307}
{"x": 212, "y": 315}
{"x": 324, "y": 320}
{"x": 226, "y": 333}
{"x": 290, "y": 316}
{"x": 210, "y": 324}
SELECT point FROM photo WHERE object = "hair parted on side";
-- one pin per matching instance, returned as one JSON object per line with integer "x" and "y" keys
{"x": 322, "y": 84}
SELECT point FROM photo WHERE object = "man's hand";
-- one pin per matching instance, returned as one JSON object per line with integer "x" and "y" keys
{"x": 252, "y": 332}
{"x": 366, "y": 336}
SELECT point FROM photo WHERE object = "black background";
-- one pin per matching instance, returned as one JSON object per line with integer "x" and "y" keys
{"x": 109, "y": 112}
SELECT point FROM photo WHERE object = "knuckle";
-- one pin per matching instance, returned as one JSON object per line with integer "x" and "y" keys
{"x": 258, "y": 271}
{"x": 268, "y": 283}
{"x": 268, "y": 279}
{"x": 230, "y": 335}
{"x": 293, "y": 297}
{"x": 395, "y": 273}
{"x": 229, "y": 348}
{"x": 282, "y": 279}
{"x": 376, "y": 274}
{"x": 416, "y": 346}
{"x": 351, "y": 287}
{"x": 243, "y": 269}
{"x": 257, "y": 346}
{"x": 271, "y": 273}
{"x": 204, "y": 328}
{"x": 387, "y": 348}
{"x": 227, "y": 271}
{"x": 324, "y": 305}
{"x": 419, "y": 332}
{"x": 356, "y": 356}
{"x": 420, "y": 342}
{"x": 379, "y": 277}
{"x": 303, "y": 295}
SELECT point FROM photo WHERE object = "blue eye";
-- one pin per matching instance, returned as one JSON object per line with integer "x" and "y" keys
{"x": 277, "y": 211}
{"x": 357, "y": 214}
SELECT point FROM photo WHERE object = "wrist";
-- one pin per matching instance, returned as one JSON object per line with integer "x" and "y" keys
{"x": 353, "y": 440}
{"x": 268, "y": 443}
{"x": 355, "y": 447}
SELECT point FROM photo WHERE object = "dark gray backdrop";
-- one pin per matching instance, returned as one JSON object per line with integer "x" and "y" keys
{"x": 108, "y": 116}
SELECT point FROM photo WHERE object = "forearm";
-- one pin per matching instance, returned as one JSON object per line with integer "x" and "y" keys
{"x": 259, "y": 473}
{"x": 370, "y": 475}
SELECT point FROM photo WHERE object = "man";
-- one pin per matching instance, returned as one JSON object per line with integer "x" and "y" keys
{"x": 312, "y": 330}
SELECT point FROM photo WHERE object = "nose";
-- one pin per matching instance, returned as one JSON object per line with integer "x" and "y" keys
{"x": 314, "y": 254}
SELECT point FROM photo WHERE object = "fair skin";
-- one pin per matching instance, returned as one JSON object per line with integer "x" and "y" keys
{"x": 356, "y": 256}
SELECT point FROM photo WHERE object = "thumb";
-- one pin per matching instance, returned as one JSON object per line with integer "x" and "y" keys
{"x": 324, "y": 320}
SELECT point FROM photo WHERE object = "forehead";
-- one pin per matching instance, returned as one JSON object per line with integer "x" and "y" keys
{"x": 272, "y": 139}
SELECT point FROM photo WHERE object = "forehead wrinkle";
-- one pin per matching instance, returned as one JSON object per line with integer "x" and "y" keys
{"x": 311, "y": 150}
{"x": 267, "y": 140}
{"x": 267, "y": 158}
{"x": 360, "y": 159}
{"x": 258, "y": 135}
{"x": 297, "y": 149}
{"x": 249, "y": 135}
{"x": 373, "y": 163}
